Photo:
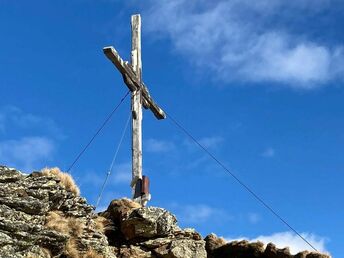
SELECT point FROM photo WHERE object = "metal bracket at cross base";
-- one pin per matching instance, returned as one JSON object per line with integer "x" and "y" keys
{"x": 142, "y": 194}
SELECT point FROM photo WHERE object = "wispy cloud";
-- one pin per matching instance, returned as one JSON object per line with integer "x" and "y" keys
{"x": 211, "y": 142}
{"x": 238, "y": 40}
{"x": 291, "y": 240}
{"x": 32, "y": 139}
{"x": 12, "y": 116}
{"x": 199, "y": 213}
{"x": 175, "y": 162}
{"x": 268, "y": 152}
{"x": 27, "y": 153}
{"x": 155, "y": 145}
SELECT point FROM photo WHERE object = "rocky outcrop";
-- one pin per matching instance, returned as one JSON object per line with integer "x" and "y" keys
{"x": 149, "y": 232}
{"x": 219, "y": 248}
{"x": 40, "y": 218}
{"x": 43, "y": 216}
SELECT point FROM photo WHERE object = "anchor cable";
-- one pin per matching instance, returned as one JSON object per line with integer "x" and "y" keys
{"x": 112, "y": 162}
{"x": 239, "y": 180}
{"x": 97, "y": 132}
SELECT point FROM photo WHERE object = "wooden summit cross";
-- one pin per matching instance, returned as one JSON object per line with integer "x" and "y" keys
{"x": 132, "y": 76}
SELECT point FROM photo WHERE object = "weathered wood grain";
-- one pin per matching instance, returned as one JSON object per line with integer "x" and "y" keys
{"x": 136, "y": 102}
{"x": 140, "y": 96}
{"x": 131, "y": 81}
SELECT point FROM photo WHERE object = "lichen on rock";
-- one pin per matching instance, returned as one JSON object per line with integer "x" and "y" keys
{"x": 40, "y": 218}
{"x": 43, "y": 216}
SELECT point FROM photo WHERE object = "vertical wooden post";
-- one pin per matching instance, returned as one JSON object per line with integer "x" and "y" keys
{"x": 132, "y": 76}
{"x": 136, "y": 102}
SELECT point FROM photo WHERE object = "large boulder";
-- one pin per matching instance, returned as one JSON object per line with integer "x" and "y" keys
{"x": 272, "y": 251}
{"x": 176, "y": 247}
{"x": 133, "y": 251}
{"x": 317, "y": 255}
{"x": 212, "y": 243}
{"x": 148, "y": 222}
{"x": 218, "y": 248}
{"x": 119, "y": 210}
{"x": 149, "y": 232}
{"x": 240, "y": 249}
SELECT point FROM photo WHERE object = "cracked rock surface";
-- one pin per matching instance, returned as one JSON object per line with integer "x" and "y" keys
{"x": 25, "y": 202}
{"x": 42, "y": 217}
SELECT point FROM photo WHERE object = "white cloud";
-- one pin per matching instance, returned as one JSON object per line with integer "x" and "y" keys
{"x": 238, "y": 40}
{"x": 13, "y": 116}
{"x": 27, "y": 153}
{"x": 269, "y": 153}
{"x": 211, "y": 142}
{"x": 194, "y": 163}
{"x": 291, "y": 240}
{"x": 199, "y": 213}
{"x": 22, "y": 150}
{"x": 155, "y": 145}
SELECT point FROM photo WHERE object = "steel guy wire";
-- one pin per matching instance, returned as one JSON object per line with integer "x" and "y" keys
{"x": 97, "y": 132}
{"x": 239, "y": 181}
{"x": 113, "y": 161}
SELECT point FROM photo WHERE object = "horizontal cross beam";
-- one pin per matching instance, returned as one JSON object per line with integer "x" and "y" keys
{"x": 132, "y": 82}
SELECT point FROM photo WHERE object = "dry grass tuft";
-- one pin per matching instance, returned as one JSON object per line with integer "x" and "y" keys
{"x": 119, "y": 209}
{"x": 70, "y": 226}
{"x": 66, "y": 179}
{"x": 123, "y": 206}
{"x": 101, "y": 223}
{"x": 66, "y": 225}
{"x": 130, "y": 203}
{"x": 92, "y": 254}
{"x": 46, "y": 252}
{"x": 71, "y": 250}
{"x": 56, "y": 221}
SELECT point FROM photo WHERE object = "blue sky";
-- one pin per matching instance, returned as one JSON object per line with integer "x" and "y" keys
{"x": 259, "y": 83}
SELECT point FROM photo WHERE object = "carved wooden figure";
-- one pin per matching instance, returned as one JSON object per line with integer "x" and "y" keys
{"x": 132, "y": 76}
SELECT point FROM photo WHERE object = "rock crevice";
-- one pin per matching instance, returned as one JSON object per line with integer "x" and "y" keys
{"x": 43, "y": 216}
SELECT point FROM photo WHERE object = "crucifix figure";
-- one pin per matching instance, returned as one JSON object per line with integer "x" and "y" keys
{"x": 132, "y": 76}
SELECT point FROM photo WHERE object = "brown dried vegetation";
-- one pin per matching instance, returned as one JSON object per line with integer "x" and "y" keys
{"x": 66, "y": 179}
{"x": 72, "y": 249}
{"x": 119, "y": 209}
{"x": 71, "y": 226}
{"x": 92, "y": 254}
{"x": 101, "y": 224}
{"x": 67, "y": 225}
